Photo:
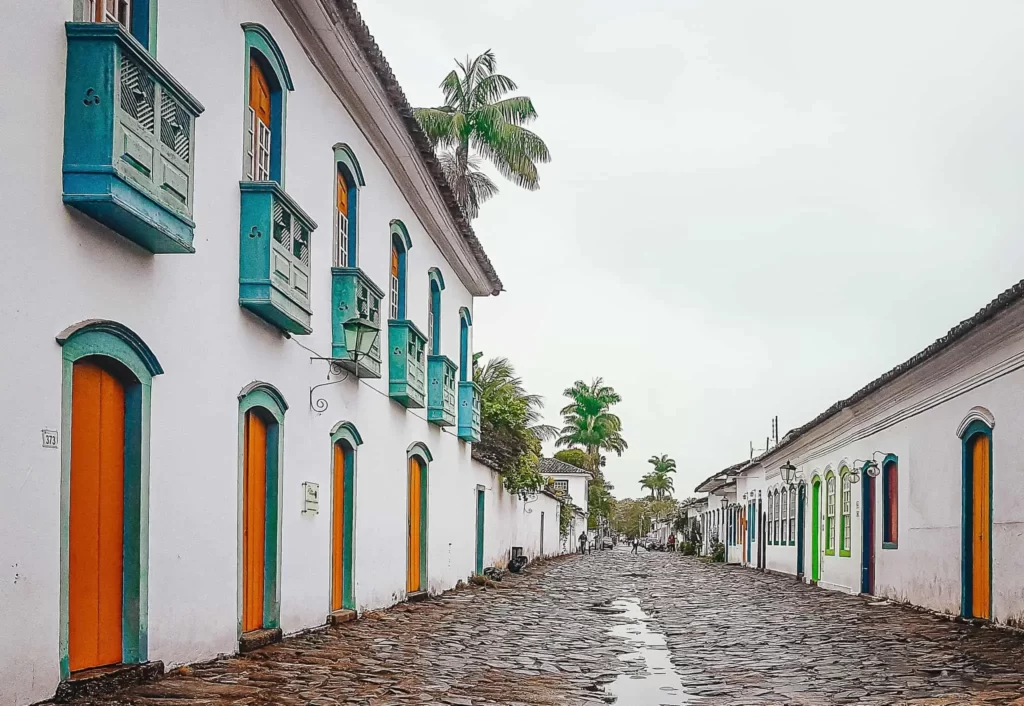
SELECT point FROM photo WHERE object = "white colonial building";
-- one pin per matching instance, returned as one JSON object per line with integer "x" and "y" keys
{"x": 238, "y": 340}
{"x": 572, "y": 483}
{"x": 909, "y": 489}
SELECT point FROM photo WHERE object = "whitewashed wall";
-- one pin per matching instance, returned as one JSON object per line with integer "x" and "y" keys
{"x": 916, "y": 417}
{"x": 185, "y": 307}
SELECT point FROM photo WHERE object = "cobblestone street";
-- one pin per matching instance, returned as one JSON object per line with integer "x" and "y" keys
{"x": 588, "y": 630}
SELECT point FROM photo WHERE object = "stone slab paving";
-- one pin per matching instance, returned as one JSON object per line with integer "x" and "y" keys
{"x": 734, "y": 637}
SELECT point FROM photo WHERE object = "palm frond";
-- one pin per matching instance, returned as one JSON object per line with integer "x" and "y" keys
{"x": 516, "y": 110}
{"x": 491, "y": 88}
{"x": 438, "y": 124}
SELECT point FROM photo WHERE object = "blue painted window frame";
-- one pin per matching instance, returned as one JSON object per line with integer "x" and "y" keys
{"x": 465, "y": 322}
{"x": 346, "y": 163}
{"x": 890, "y": 465}
{"x": 260, "y": 45}
{"x": 436, "y": 287}
{"x": 401, "y": 241}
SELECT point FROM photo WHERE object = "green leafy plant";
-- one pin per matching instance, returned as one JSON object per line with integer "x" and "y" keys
{"x": 477, "y": 121}
{"x": 510, "y": 428}
{"x": 717, "y": 552}
{"x": 565, "y": 513}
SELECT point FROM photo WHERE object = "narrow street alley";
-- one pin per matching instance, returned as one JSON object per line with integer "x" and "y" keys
{"x": 641, "y": 630}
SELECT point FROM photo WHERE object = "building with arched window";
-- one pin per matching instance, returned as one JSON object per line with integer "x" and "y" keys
{"x": 901, "y": 490}
{"x": 213, "y": 429}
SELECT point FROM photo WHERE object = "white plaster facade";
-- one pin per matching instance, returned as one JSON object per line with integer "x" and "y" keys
{"x": 917, "y": 415}
{"x": 185, "y": 308}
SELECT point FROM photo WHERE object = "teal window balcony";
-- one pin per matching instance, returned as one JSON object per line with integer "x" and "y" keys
{"x": 353, "y": 294}
{"x": 469, "y": 411}
{"x": 129, "y": 139}
{"x": 273, "y": 279}
{"x": 441, "y": 390}
{"x": 407, "y": 364}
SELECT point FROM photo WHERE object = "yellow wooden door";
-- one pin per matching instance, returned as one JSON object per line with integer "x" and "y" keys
{"x": 96, "y": 523}
{"x": 254, "y": 521}
{"x": 412, "y": 582}
{"x": 981, "y": 598}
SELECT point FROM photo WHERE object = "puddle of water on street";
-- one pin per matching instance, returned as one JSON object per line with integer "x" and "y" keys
{"x": 658, "y": 684}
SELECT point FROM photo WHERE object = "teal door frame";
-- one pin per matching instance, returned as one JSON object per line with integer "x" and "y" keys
{"x": 479, "y": 530}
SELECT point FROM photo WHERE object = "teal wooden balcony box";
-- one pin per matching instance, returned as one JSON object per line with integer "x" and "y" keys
{"x": 354, "y": 297}
{"x": 407, "y": 364}
{"x": 129, "y": 139}
{"x": 441, "y": 391}
{"x": 469, "y": 411}
{"x": 273, "y": 279}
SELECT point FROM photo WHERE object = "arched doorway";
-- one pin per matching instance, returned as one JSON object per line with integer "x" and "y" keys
{"x": 262, "y": 410}
{"x": 416, "y": 547}
{"x": 107, "y": 380}
{"x": 977, "y": 521}
{"x": 344, "y": 440}
{"x": 867, "y": 583}
{"x": 816, "y": 529}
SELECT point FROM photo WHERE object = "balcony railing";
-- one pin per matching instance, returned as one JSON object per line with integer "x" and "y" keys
{"x": 353, "y": 294}
{"x": 129, "y": 139}
{"x": 441, "y": 390}
{"x": 273, "y": 280}
{"x": 469, "y": 411}
{"x": 407, "y": 364}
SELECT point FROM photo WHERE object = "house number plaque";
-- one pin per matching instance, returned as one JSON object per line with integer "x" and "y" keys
{"x": 310, "y": 498}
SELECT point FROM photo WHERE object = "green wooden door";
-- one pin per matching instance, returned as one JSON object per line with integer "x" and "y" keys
{"x": 479, "y": 531}
{"x": 815, "y": 531}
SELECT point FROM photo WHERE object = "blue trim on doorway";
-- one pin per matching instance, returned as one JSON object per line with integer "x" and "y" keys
{"x": 967, "y": 516}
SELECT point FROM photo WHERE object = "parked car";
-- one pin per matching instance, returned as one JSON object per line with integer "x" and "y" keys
{"x": 607, "y": 542}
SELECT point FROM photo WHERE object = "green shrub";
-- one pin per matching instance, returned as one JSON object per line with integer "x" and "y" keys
{"x": 717, "y": 551}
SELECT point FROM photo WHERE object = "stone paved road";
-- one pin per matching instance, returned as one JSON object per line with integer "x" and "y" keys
{"x": 655, "y": 629}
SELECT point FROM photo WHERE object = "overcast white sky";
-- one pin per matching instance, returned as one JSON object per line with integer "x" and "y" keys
{"x": 754, "y": 208}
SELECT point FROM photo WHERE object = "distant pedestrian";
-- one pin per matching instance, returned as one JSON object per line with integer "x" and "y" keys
{"x": 583, "y": 542}
{"x": 636, "y": 546}
{"x": 672, "y": 542}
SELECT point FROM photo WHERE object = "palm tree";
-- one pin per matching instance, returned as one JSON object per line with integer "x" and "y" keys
{"x": 661, "y": 485}
{"x": 589, "y": 422}
{"x": 477, "y": 116}
{"x": 662, "y": 464}
{"x": 499, "y": 383}
{"x": 648, "y": 482}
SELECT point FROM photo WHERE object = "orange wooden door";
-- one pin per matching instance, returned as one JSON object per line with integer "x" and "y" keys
{"x": 96, "y": 525}
{"x": 254, "y": 521}
{"x": 259, "y": 93}
{"x": 981, "y": 599}
{"x": 338, "y": 531}
{"x": 412, "y": 582}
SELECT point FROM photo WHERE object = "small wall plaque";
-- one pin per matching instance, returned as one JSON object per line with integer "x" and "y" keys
{"x": 51, "y": 439}
{"x": 310, "y": 498}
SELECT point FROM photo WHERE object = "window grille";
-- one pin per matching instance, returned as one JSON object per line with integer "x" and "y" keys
{"x": 430, "y": 323}
{"x": 137, "y": 93}
{"x": 830, "y": 514}
{"x": 174, "y": 126}
{"x": 259, "y": 148}
{"x": 846, "y": 488}
{"x": 785, "y": 515}
{"x": 793, "y": 495}
{"x": 562, "y": 485}
{"x": 394, "y": 282}
{"x": 341, "y": 242}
